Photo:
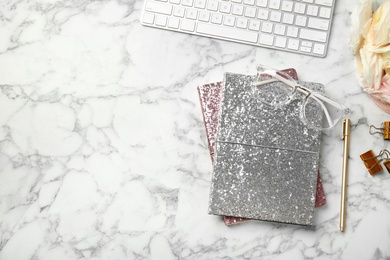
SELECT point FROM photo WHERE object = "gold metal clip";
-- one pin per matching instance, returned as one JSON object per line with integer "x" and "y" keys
{"x": 373, "y": 164}
{"x": 384, "y": 129}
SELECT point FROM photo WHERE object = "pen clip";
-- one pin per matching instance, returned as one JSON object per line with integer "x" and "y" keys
{"x": 344, "y": 129}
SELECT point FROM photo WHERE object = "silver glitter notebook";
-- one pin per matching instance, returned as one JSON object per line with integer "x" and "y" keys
{"x": 266, "y": 159}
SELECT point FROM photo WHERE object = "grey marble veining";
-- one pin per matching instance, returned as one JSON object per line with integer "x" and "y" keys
{"x": 103, "y": 153}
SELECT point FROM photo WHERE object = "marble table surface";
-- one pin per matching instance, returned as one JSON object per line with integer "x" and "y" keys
{"x": 103, "y": 152}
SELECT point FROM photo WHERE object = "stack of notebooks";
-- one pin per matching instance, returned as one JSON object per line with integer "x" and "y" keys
{"x": 265, "y": 160}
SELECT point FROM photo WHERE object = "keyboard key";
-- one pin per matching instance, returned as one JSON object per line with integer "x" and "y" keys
{"x": 238, "y": 9}
{"x": 312, "y": 10}
{"x": 313, "y": 35}
{"x": 204, "y": 16}
{"x": 275, "y": 16}
{"x": 319, "y": 24}
{"x": 324, "y": 2}
{"x": 306, "y": 44}
{"x": 254, "y": 25}
{"x": 325, "y": 12}
{"x": 267, "y": 27}
{"x": 200, "y": 4}
{"x": 319, "y": 49}
{"x": 308, "y": 1}
{"x": 237, "y": 1}
{"x": 280, "y": 42}
{"x": 216, "y": 18}
{"x": 266, "y": 39}
{"x": 187, "y": 25}
{"x": 274, "y": 4}
{"x": 280, "y": 29}
{"x": 157, "y": 7}
{"x": 148, "y": 18}
{"x": 175, "y": 1}
{"x": 161, "y": 20}
{"x": 187, "y": 2}
{"x": 292, "y": 31}
{"x": 212, "y": 5}
{"x": 173, "y": 23}
{"x": 192, "y": 14}
{"x": 263, "y": 14}
{"x": 225, "y": 7}
{"x": 299, "y": 8}
{"x": 288, "y": 18}
{"x": 249, "y": 2}
{"x": 300, "y": 20}
{"x": 178, "y": 11}
{"x": 287, "y": 6}
{"x": 241, "y": 23}
{"x": 250, "y": 12}
{"x": 227, "y": 32}
{"x": 229, "y": 20}
{"x": 305, "y": 49}
{"x": 293, "y": 44}
{"x": 261, "y": 3}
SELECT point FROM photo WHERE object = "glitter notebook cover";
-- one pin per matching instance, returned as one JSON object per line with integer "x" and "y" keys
{"x": 210, "y": 100}
{"x": 266, "y": 159}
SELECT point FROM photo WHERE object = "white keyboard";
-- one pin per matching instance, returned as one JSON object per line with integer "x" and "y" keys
{"x": 291, "y": 25}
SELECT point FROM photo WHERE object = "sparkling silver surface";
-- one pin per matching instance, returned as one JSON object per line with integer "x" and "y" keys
{"x": 210, "y": 96}
{"x": 266, "y": 159}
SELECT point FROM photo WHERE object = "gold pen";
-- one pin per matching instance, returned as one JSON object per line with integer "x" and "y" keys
{"x": 346, "y": 138}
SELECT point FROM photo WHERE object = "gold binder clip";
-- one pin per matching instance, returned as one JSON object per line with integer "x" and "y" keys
{"x": 386, "y": 163}
{"x": 373, "y": 164}
{"x": 384, "y": 129}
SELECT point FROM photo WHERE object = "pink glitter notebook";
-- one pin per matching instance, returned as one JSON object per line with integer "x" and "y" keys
{"x": 210, "y": 98}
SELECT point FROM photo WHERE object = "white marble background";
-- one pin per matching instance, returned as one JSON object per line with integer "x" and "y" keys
{"x": 103, "y": 154}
